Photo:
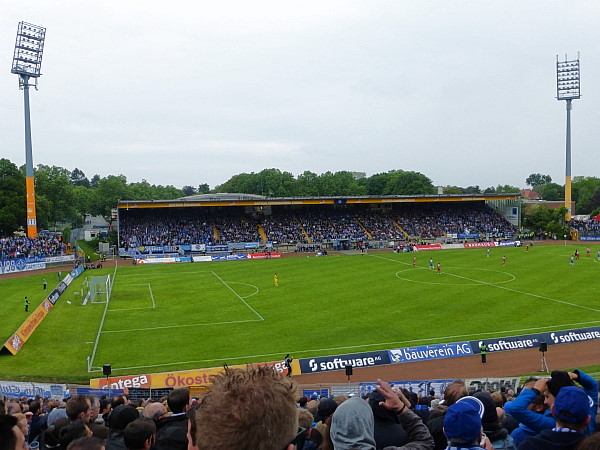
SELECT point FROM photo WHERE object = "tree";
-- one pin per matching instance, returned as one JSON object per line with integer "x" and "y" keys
{"x": 375, "y": 185}
{"x": 189, "y": 190}
{"x": 110, "y": 190}
{"x": 452, "y": 190}
{"x": 308, "y": 184}
{"x": 54, "y": 184}
{"x": 506, "y": 189}
{"x": 471, "y": 190}
{"x": 12, "y": 198}
{"x": 408, "y": 183}
{"x": 551, "y": 220}
{"x": 78, "y": 178}
{"x": 550, "y": 191}
{"x": 537, "y": 179}
{"x": 583, "y": 190}
{"x": 95, "y": 181}
{"x": 204, "y": 188}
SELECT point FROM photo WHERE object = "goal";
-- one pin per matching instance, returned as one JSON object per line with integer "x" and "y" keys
{"x": 96, "y": 289}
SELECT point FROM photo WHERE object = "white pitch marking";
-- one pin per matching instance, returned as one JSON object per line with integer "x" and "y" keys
{"x": 167, "y": 327}
{"x": 238, "y": 296}
{"x": 506, "y": 288}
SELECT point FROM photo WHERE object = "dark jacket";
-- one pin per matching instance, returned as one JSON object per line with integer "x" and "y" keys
{"x": 171, "y": 433}
{"x": 436, "y": 428}
{"x": 552, "y": 440}
{"x": 418, "y": 434}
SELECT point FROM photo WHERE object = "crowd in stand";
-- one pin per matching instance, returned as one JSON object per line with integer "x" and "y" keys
{"x": 587, "y": 227}
{"x": 258, "y": 408}
{"x": 309, "y": 226}
{"x": 25, "y": 247}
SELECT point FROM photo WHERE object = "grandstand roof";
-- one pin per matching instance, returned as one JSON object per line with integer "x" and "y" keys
{"x": 226, "y": 199}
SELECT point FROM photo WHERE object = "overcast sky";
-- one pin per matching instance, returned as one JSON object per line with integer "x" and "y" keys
{"x": 190, "y": 92}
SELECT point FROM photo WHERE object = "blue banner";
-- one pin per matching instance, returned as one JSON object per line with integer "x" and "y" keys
{"x": 509, "y": 243}
{"x": 228, "y": 257}
{"x": 533, "y": 340}
{"x": 339, "y": 362}
{"x": 22, "y": 264}
{"x": 589, "y": 238}
{"x": 468, "y": 236}
{"x": 426, "y": 352}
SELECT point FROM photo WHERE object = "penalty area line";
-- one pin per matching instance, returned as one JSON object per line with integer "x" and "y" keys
{"x": 170, "y": 327}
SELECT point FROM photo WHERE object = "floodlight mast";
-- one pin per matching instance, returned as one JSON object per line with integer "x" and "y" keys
{"x": 568, "y": 88}
{"x": 27, "y": 63}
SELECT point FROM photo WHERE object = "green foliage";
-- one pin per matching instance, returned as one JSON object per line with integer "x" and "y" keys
{"x": 408, "y": 183}
{"x": 203, "y": 313}
{"x": 12, "y": 198}
{"x": 551, "y": 220}
{"x": 551, "y": 191}
{"x": 537, "y": 179}
{"x": 585, "y": 192}
{"x": 506, "y": 189}
{"x": 452, "y": 190}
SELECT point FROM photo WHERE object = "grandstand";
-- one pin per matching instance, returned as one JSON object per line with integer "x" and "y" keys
{"x": 190, "y": 224}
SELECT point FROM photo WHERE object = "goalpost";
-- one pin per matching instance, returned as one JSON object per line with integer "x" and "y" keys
{"x": 96, "y": 289}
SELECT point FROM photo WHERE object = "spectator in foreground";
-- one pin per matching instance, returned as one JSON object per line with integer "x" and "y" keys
{"x": 11, "y": 437}
{"x": 490, "y": 422}
{"x": 462, "y": 425}
{"x": 571, "y": 409}
{"x": 352, "y": 424}
{"x": 87, "y": 443}
{"x": 454, "y": 391}
{"x": 171, "y": 431}
{"x": 550, "y": 388}
{"x": 140, "y": 435}
{"x": 248, "y": 408}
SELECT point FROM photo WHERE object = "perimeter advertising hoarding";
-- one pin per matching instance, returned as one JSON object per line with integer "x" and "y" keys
{"x": 22, "y": 264}
{"x": 183, "y": 378}
{"x": 479, "y": 244}
{"x": 339, "y": 362}
{"x": 427, "y": 352}
{"x": 419, "y": 248}
{"x": 533, "y": 340}
{"x": 30, "y": 390}
{"x": 16, "y": 341}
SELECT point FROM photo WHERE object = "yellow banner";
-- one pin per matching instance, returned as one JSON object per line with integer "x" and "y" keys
{"x": 16, "y": 341}
{"x": 176, "y": 379}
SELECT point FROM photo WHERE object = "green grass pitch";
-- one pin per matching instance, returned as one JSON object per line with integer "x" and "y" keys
{"x": 184, "y": 316}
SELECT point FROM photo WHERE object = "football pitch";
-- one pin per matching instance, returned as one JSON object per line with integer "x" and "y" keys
{"x": 182, "y": 316}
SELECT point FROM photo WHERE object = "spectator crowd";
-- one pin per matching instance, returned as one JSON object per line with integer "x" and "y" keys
{"x": 309, "y": 225}
{"x": 25, "y": 247}
{"x": 258, "y": 408}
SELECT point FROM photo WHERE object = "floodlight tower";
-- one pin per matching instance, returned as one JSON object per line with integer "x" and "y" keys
{"x": 27, "y": 63}
{"x": 568, "y": 88}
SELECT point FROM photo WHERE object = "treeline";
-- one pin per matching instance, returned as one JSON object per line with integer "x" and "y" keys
{"x": 63, "y": 197}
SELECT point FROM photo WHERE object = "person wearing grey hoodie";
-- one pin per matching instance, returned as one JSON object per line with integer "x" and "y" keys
{"x": 352, "y": 423}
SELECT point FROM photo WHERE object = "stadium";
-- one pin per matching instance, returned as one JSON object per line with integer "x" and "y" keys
{"x": 332, "y": 311}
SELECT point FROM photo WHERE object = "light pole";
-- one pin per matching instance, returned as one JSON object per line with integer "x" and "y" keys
{"x": 568, "y": 88}
{"x": 27, "y": 63}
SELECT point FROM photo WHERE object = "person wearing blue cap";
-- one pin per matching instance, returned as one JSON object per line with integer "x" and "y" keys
{"x": 462, "y": 425}
{"x": 550, "y": 388}
{"x": 571, "y": 409}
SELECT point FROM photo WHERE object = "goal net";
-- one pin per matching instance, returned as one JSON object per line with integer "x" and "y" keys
{"x": 96, "y": 289}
